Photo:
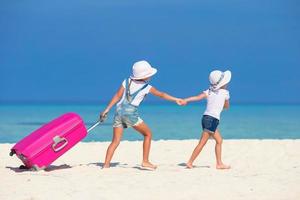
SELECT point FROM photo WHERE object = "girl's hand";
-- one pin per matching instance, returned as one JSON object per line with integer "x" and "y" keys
{"x": 103, "y": 115}
{"x": 181, "y": 102}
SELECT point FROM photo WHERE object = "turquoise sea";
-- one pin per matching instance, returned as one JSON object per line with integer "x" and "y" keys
{"x": 167, "y": 121}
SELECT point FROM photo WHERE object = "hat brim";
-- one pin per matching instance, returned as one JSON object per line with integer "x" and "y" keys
{"x": 152, "y": 72}
{"x": 226, "y": 79}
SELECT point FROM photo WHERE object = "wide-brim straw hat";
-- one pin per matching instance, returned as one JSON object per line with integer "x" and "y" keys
{"x": 218, "y": 78}
{"x": 141, "y": 70}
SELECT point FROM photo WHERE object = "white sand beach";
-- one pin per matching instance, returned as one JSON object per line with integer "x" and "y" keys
{"x": 261, "y": 169}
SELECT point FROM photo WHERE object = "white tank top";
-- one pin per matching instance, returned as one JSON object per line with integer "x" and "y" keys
{"x": 135, "y": 86}
{"x": 215, "y": 102}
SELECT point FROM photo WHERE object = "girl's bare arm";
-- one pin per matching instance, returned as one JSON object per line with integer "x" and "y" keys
{"x": 114, "y": 100}
{"x": 196, "y": 98}
{"x": 163, "y": 95}
{"x": 226, "y": 104}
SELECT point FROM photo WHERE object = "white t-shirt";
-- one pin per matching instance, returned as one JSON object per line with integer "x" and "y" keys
{"x": 215, "y": 102}
{"x": 135, "y": 86}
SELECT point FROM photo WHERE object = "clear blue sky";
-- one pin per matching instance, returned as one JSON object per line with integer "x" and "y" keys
{"x": 77, "y": 50}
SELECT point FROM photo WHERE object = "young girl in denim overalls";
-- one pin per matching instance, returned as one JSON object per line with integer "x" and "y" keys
{"x": 217, "y": 99}
{"x": 129, "y": 96}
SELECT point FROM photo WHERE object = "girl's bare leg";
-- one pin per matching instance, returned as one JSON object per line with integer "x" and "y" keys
{"x": 118, "y": 132}
{"x": 198, "y": 149}
{"x": 146, "y": 132}
{"x": 218, "y": 150}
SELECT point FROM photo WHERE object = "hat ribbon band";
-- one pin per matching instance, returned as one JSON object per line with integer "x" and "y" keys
{"x": 219, "y": 81}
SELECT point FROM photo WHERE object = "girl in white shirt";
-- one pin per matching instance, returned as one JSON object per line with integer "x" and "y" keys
{"x": 129, "y": 96}
{"x": 217, "y": 98}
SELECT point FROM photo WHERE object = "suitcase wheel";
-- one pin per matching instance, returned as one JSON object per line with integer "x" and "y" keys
{"x": 23, "y": 167}
{"x": 12, "y": 152}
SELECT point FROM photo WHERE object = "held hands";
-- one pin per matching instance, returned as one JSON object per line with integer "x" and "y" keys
{"x": 181, "y": 102}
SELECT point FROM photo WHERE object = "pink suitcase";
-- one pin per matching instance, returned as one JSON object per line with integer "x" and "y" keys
{"x": 43, "y": 146}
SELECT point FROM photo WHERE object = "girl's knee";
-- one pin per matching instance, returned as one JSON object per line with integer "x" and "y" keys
{"x": 219, "y": 141}
{"x": 148, "y": 134}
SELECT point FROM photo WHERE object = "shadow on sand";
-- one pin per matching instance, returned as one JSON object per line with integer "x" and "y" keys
{"x": 99, "y": 164}
{"x": 143, "y": 168}
{"x": 120, "y": 165}
{"x": 194, "y": 166}
{"x": 51, "y": 168}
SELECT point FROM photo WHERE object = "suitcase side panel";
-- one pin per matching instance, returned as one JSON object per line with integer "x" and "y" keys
{"x": 34, "y": 137}
{"x": 33, "y": 148}
{"x": 49, "y": 155}
{"x": 42, "y": 137}
{"x": 47, "y": 139}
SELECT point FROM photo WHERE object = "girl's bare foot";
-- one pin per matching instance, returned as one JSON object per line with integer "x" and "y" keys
{"x": 189, "y": 165}
{"x": 148, "y": 165}
{"x": 222, "y": 166}
{"x": 105, "y": 166}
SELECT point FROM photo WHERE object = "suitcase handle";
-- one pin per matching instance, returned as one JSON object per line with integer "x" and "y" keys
{"x": 58, "y": 140}
{"x": 101, "y": 120}
{"x": 93, "y": 126}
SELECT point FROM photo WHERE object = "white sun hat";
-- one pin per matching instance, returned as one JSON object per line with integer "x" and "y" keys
{"x": 142, "y": 69}
{"x": 218, "y": 78}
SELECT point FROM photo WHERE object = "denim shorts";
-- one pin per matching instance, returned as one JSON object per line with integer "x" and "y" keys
{"x": 126, "y": 116}
{"x": 209, "y": 123}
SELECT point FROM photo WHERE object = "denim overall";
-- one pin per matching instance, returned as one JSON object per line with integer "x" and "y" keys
{"x": 127, "y": 114}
